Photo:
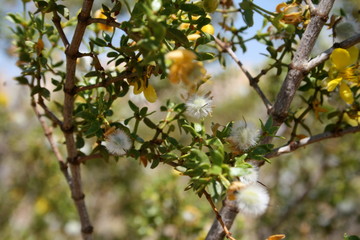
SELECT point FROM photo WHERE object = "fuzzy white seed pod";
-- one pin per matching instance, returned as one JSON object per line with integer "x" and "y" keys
{"x": 252, "y": 199}
{"x": 243, "y": 135}
{"x": 118, "y": 142}
{"x": 198, "y": 106}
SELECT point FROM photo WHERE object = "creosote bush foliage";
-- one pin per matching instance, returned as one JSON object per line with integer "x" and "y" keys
{"x": 81, "y": 68}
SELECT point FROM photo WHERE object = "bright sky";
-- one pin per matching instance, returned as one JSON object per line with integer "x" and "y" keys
{"x": 252, "y": 56}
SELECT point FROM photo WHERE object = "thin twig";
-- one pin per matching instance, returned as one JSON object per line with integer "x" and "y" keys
{"x": 109, "y": 22}
{"x": 326, "y": 54}
{"x": 218, "y": 216}
{"x": 49, "y": 135}
{"x": 56, "y": 20}
{"x": 311, "y": 6}
{"x": 253, "y": 81}
{"x": 106, "y": 83}
{"x": 309, "y": 140}
{"x": 48, "y": 113}
{"x": 83, "y": 159}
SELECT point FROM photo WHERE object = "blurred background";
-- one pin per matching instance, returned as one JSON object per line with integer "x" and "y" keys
{"x": 314, "y": 191}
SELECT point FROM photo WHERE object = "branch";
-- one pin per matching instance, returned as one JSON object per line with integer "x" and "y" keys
{"x": 48, "y": 113}
{"x": 56, "y": 20}
{"x": 309, "y": 140}
{"x": 253, "y": 81}
{"x": 227, "y": 214}
{"x": 218, "y": 217}
{"x": 68, "y": 124}
{"x": 326, "y": 54}
{"x": 55, "y": 149}
{"x": 278, "y": 113}
{"x": 109, "y": 22}
{"x": 106, "y": 83}
{"x": 297, "y": 68}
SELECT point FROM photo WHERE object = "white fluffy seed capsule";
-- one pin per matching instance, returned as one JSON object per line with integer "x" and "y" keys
{"x": 198, "y": 106}
{"x": 252, "y": 199}
{"x": 243, "y": 135}
{"x": 118, "y": 143}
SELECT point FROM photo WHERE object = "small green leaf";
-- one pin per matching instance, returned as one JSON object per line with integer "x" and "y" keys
{"x": 133, "y": 107}
{"x": 177, "y": 36}
{"x": 215, "y": 170}
{"x": 149, "y": 123}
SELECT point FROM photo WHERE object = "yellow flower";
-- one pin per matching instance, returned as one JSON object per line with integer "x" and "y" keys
{"x": 184, "y": 68}
{"x": 292, "y": 13}
{"x": 206, "y": 29}
{"x": 147, "y": 89}
{"x": 344, "y": 72}
{"x": 352, "y": 119}
{"x": 99, "y": 14}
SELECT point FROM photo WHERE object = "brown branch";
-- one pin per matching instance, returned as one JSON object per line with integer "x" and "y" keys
{"x": 68, "y": 124}
{"x": 310, "y": 140}
{"x": 218, "y": 217}
{"x": 109, "y": 22}
{"x": 296, "y": 73}
{"x": 253, "y": 81}
{"x": 326, "y": 54}
{"x": 49, "y": 135}
{"x": 227, "y": 214}
{"x": 56, "y": 20}
{"x": 48, "y": 113}
{"x": 83, "y": 159}
{"x": 106, "y": 83}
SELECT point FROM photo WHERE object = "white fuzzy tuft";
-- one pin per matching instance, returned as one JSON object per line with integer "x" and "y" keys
{"x": 252, "y": 199}
{"x": 199, "y": 107}
{"x": 118, "y": 143}
{"x": 243, "y": 135}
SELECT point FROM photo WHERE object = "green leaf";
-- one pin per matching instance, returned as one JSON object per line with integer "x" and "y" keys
{"x": 95, "y": 126}
{"x": 149, "y": 123}
{"x": 22, "y": 80}
{"x": 239, "y": 161}
{"x": 192, "y": 9}
{"x": 133, "y": 107}
{"x": 247, "y": 12}
{"x": 217, "y": 157}
{"x": 143, "y": 111}
{"x": 41, "y": 91}
{"x": 79, "y": 142}
{"x": 92, "y": 74}
{"x": 177, "y": 36}
{"x": 237, "y": 172}
{"x": 215, "y": 170}
{"x": 203, "y": 56}
{"x": 198, "y": 156}
{"x": 191, "y": 130}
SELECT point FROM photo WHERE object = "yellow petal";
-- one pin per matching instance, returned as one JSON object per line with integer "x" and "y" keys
{"x": 352, "y": 122}
{"x": 346, "y": 94}
{"x": 150, "y": 93}
{"x": 332, "y": 84}
{"x": 180, "y": 55}
{"x": 354, "y": 54}
{"x": 341, "y": 58}
{"x": 137, "y": 89}
{"x": 193, "y": 37}
{"x": 208, "y": 29}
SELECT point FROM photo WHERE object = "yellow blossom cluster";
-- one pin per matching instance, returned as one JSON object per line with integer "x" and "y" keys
{"x": 344, "y": 72}
{"x": 206, "y": 29}
{"x": 291, "y": 13}
{"x": 185, "y": 69}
